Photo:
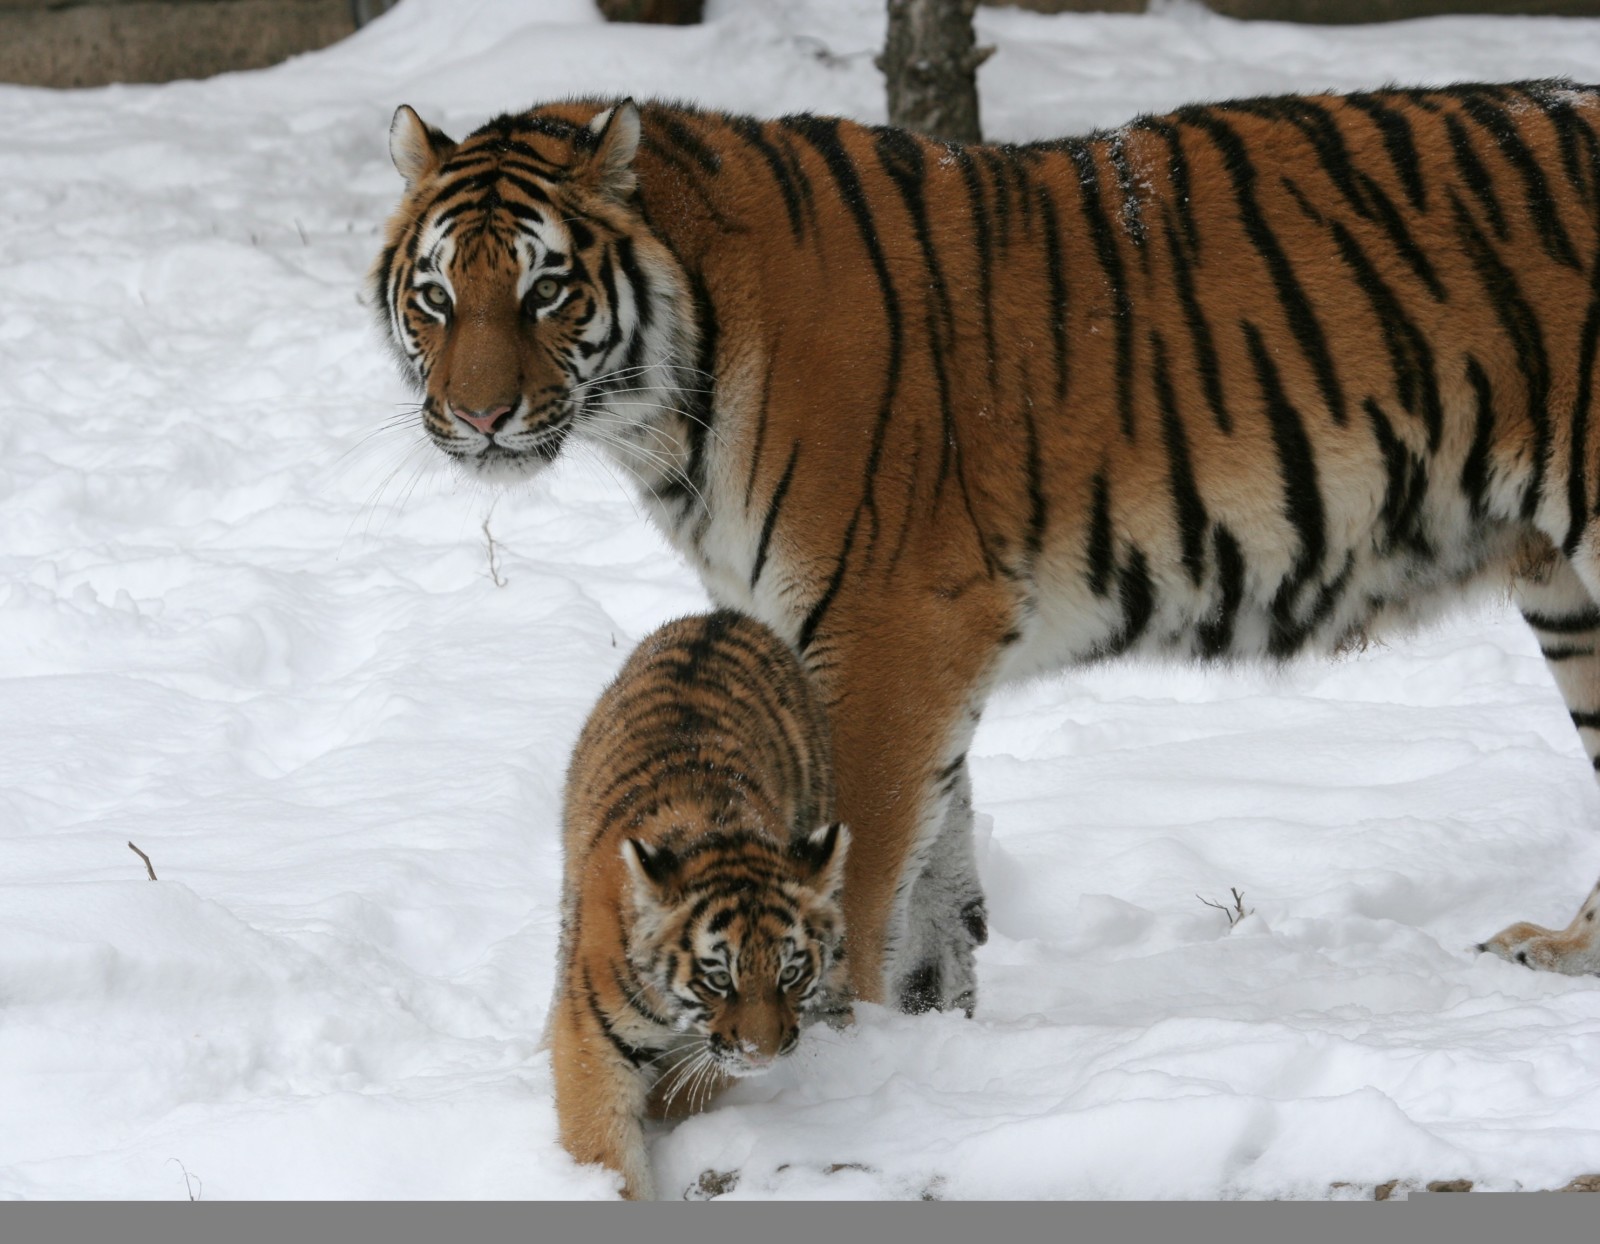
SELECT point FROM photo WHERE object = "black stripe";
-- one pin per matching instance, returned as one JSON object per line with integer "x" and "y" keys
{"x": 633, "y": 1054}
{"x": 819, "y": 610}
{"x": 802, "y": 179}
{"x": 1407, "y": 485}
{"x": 1302, "y": 497}
{"x": 771, "y": 520}
{"x": 1101, "y": 553}
{"x": 823, "y": 135}
{"x": 1110, "y": 259}
{"x": 1580, "y": 154}
{"x": 1541, "y": 206}
{"x": 1565, "y": 654}
{"x": 983, "y": 246}
{"x": 632, "y": 988}
{"x": 1475, "y": 469}
{"x": 1527, "y": 340}
{"x": 1576, "y": 623}
{"x": 1578, "y": 440}
{"x": 1475, "y": 175}
{"x": 902, "y": 158}
{"x": 1328, "y": 597}
{"x": 1038, "y": 504}
{"x": 1205, "y": 347}
{"x": 1132, "y": 213}
{"x": 1216, "y": 635}
{"x": 1136, "y": 595}
{"x": 1190, "y": 510}
{"x": 1321, "y": 131}
{"x": 999, "y": 175}
{"x": 761, "y": 426}
{"x": 1410, "y": 355}
{"x": 689, "y": 178}
{"x": 640, "y": 283}
{"x": 1586, "y": 721}
{"x": 1388, "y": 216}
{"x": 687, "y": 141}
{"x": 1302, "y": 319}
{"x": 1055, "y": 272}
{"x": 751, "y": 131}
{"x": 1177, "y": 176}
{"x": 1398, "y": 142}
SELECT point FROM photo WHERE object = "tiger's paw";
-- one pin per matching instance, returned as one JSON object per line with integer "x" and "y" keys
{"x": 1572, "y": 951}
{"x": 943, "y": 975}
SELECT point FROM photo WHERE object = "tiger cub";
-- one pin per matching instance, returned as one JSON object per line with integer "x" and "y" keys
{"x": 700, "y": 915}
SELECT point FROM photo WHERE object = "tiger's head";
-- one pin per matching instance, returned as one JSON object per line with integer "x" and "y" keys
{"x": 738, "y": 937}
{"x": 524, "y": 295}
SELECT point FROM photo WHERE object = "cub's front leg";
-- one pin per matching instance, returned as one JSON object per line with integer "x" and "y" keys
{"x": 600, "y": 1098}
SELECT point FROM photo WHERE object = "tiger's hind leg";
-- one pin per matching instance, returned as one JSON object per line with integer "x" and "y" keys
{"x": 1559, "y": 603}
{"x": 946, "y": 919}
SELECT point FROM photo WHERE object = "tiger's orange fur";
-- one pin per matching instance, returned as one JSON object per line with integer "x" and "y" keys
{"x": 700, "y": 923}
{"x": 1247, "y": 380}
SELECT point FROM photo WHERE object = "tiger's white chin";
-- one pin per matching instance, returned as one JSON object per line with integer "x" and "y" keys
{"x": 498, "y": 466}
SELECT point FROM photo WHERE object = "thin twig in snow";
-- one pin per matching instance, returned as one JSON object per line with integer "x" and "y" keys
{"x": 148, "y": 866}
{"x": 1235, "y": 913}
{"x": 197, "y": 1189}
{"x": 494, "y": 570}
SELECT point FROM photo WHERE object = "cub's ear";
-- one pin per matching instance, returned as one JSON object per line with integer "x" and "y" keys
{"x": 416, "y": 147}
{"x": 649, "y": 866}
{"x": 822, "y": 854}
{"x": 609, "y": 171}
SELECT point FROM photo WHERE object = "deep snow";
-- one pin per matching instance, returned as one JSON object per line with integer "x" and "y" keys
{"x": 247, "y": 622}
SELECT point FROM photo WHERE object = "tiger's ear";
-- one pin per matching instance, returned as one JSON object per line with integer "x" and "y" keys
{"x": 822, "y": 854}
{"x": 416, "y": 147}
{"x": 609, "y": 171}
{"x": 650, "y": 867}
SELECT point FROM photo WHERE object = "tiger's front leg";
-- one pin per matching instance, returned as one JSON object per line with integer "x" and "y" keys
{"x": 947, "y": 919}
{"x": 904, "y": 676}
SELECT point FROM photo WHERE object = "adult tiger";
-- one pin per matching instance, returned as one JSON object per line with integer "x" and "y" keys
{"x": 1242, "y": 381}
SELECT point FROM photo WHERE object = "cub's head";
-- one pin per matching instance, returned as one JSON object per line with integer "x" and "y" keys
{"x": 738, "y": 937}
{"x": 521, "y": 289}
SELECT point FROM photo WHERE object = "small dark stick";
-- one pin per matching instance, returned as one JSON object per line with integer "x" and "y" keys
{"x": 1237, "y": 913}
{"x": 148, "y": 866}
{"x": 494, "y": 570}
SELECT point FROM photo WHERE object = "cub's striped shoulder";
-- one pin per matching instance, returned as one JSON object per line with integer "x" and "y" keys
{"x": 701, "y": 925}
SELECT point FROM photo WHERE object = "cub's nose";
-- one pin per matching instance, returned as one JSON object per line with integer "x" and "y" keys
{"x": 485, "y": 421}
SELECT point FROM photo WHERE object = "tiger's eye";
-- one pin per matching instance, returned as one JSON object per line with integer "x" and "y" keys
{"x": 545, "y": 290}
{"x": 718, "y": 980}
{"x": 436, "y": 296}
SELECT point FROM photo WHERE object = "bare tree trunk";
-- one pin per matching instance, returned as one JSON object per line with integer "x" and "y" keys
{"x": 932, "y": 68}
{"x": 660, "y": 12}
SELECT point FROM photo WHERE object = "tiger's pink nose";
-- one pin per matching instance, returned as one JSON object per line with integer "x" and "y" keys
{"x": 485, "y": 421}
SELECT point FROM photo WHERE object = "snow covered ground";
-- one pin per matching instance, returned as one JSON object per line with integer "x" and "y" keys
{"x": 248, "y": 623}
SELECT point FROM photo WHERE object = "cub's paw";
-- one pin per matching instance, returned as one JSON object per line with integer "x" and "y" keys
{"x": 711, "y": 1185}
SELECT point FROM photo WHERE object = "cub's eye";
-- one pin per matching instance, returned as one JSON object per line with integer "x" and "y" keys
{"x": 790, "y": 976}
{"x": 436, "y": 296}
{"x": 719, "y": 981}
